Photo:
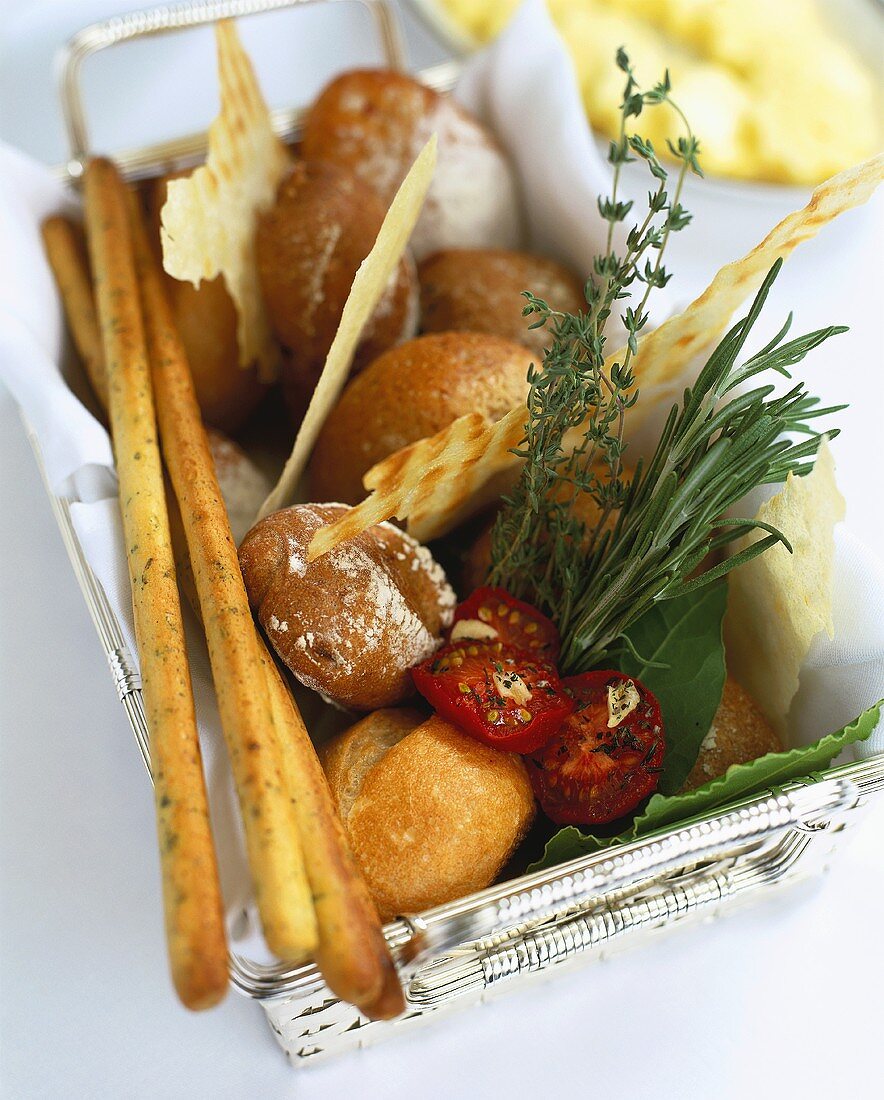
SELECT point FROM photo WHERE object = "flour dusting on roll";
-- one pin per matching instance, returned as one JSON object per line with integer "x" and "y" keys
{"x": 352, "y": 624}
{"x": 374, "y": 122}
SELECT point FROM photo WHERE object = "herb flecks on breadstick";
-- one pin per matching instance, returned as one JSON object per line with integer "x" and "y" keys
{"x": 273, "y": 846}
{"x": 65, "y": 247}
{"x": 191, "y": 891}
{"x": 352, "y": 953}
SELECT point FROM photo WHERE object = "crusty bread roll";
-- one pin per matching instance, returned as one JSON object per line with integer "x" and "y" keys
{"x": 374, "y": 122}
{"x": 430, "y": 813}
{"x": 352, "y": 624}
{"x": 206, "y": 320}
{"x": 309, "y": 246}
{"x": 739, "y": 733}
{"x": 480, "y": 290}
{"x": 410, "y": 392}
{"x": 244, "y": 486}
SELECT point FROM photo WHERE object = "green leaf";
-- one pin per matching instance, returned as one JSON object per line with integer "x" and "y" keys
{"x": 682, "y": 637}
{"x": 739, "y": 781}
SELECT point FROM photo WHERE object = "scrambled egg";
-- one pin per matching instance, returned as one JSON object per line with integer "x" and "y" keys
{"x": 767, "y": 86}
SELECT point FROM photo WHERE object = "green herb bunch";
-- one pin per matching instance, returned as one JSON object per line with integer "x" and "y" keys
{"x": 653, "y": 532}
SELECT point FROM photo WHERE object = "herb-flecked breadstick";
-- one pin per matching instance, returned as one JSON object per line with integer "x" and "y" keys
{"x": 273, "y": 846}
{"x": 191, "y": 890}
{"x": 65, "y": 247}
{"x": 352, "y": 953}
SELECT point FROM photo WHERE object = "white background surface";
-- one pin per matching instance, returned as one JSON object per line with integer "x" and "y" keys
{"x": 780, "y": 999}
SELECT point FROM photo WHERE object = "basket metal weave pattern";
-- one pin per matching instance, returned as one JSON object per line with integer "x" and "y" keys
{"x": 528, "y": 928}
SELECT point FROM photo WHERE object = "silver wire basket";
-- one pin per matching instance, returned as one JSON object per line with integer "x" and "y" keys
{"x": 530, "y": 927}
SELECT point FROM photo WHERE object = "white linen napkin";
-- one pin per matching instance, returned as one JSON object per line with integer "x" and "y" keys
{"x": 560, "y": 174}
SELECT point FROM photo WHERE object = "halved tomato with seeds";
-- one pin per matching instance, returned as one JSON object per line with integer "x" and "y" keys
{"x": 606, "y": 757}
{"x": 492, "y": 614}
{"x": 499, "y": 695}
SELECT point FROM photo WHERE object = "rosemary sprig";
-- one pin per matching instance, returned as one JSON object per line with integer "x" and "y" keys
{"x": 715, "y": 447}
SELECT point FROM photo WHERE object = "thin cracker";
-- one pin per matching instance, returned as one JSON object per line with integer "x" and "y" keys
{"x": 369, "y": 284}
{"x": 435, "y": 483}
{"x": 209, "y": 218}
{"x": 778, "y": 602}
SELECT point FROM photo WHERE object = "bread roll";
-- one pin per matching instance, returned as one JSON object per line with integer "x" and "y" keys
{"x": 309, "y": 245}
{"x": 243, "y": 485}
{"x": 353, "y": 623}
{"x": 205, "y": 317}
{"x": 739, "y": 733}
{"x": 431, "y": 814}
{"x": 374, "y": 122}
{"x": 480, "y": 290}
{"x": 411, "y": 392}
{"x": 477, "y": 560}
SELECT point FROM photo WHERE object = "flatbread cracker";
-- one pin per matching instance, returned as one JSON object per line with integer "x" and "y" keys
{"x": 778, "y": 602}
{"x": 210, "y": 217}
{"x": 369, "y": 284}
{"x": 434, "y": 497}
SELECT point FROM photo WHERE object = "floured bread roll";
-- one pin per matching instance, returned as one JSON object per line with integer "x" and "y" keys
{"x": 243, "y": 485}
{"x": 410, "y": 392}
{"x": 309, "y": 245}
{"x": 430, "y": 813}
{"x": 352, "y": 624}
{"x": 375, "y": 122}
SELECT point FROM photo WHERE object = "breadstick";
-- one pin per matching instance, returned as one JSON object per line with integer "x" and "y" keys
{"x": 191, "y": 890}
{"x": 65, "y": 247}
{"x": 352, "y": 953}
{"x": 273, "y": 846}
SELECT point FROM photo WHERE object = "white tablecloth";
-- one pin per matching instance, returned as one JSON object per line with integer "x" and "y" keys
{"x": 779, "y": 999}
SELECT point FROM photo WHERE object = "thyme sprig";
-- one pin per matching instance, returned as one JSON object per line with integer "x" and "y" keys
{"x": 653, "y": 532}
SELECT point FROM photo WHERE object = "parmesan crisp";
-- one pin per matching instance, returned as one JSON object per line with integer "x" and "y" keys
{"x": 778, "y": 602}
{"x": 209, "y": 218}
{"x": 436, "y": 483}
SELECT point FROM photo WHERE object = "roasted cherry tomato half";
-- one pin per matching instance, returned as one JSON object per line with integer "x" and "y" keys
{"x": 492, "y": 614}
{"x": 501, "y": 696}
{"x": 606, "y": 757}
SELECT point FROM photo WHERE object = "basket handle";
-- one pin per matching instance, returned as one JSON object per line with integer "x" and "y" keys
{"x": 607, "y": 881}
{"x": 178, "y": 17}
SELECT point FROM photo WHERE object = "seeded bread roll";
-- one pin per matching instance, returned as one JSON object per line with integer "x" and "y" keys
{"x": 206, "y": 320}
{"x": 309, "y": 245}
{"x": 353, "y": 623}
{"x": 375, "y": 122}
{"x": 430, "y": 813}
{"x": 739, "y": 733}
{"x": 480, "y": 290}
{"x": 411, "y": 392}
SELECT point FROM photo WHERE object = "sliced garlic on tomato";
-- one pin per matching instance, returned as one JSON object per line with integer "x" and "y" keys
{"x": 623, "y": 698}
{"x": 510, "y": 685}
{"x": 472, "y": 630}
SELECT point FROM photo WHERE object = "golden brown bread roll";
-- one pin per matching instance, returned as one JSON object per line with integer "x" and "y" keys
{"x": 374, "y": 122}
{"x": 410, "y": 392}
{"x": 480, "y": 290}
{"x": 309, "y": 245}
{"x": 739, "y": 733}
{"x": 353, "y": 623}
{"x": 430, "y": 813}
{"x": 206, "y": 320}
